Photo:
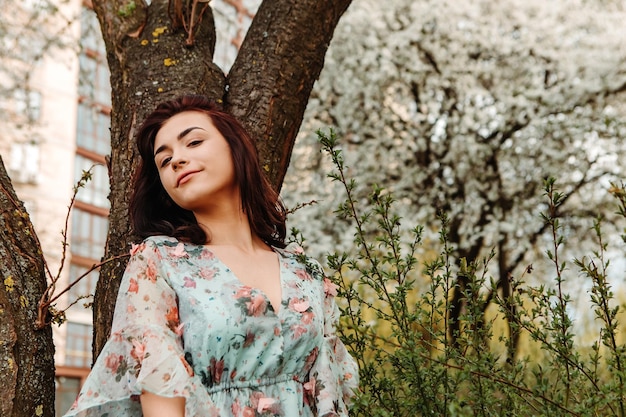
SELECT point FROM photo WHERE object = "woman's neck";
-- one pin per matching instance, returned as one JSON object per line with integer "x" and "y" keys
{"x": 231, "y": 228}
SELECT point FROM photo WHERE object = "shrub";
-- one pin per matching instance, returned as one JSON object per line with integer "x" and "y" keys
{"x": 414, "y": 362}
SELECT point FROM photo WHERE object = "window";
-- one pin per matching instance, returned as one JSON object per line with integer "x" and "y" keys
{"x": 87, "y": 285}
{"x": 95, "y": 190}
{"x": 94, "y": 84}
{"x": 24, "y": 43}
{"x": 22, "y": 106}
{"x": 24, "y": 162}
{"x": 27, "y": 104}
{"x": 93, "y": 129}
{"x": 68, "y": 380}
{"x": 78, "y": 345}
{"x": 94, "y": 80}
{"x": 89, "y": 232}
{"x": 67, "y": 388}
{"x": 91, "y": 37}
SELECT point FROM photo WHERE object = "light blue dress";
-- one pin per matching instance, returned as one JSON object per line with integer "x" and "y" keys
{"x": 185, "y": 326}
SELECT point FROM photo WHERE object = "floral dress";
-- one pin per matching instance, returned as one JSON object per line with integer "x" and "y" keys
{"x": 185, "y": 326}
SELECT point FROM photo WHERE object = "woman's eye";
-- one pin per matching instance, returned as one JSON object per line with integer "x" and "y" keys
{"x": 195, "y": 142}
{"x": 165, "y": 161}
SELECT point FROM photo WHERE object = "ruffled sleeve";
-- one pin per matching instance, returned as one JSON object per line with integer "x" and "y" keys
{"x": 144, "y": 352}
{"x": 335, "y": 373}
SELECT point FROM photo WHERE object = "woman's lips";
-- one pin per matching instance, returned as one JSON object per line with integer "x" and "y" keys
{"x": 184, "y": 177}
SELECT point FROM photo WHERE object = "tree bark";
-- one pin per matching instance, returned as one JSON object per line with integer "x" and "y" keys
{"x": 273, "y": 75}
{"x": 26, "y": 354}
{"x": 267, "y": 89}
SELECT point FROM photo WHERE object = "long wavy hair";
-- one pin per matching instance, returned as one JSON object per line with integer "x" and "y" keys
{"x": 153, "y": 212}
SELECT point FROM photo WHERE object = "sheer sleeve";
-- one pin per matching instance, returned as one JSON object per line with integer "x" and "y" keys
{"x": 144, "y": 351}
{"x": 335, "y": 372}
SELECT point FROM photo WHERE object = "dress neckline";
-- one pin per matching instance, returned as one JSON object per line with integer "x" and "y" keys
{"x": 279, "y": 255}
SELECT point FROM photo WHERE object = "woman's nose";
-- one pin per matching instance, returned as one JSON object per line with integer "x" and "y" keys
{"x": 178, "y": 162}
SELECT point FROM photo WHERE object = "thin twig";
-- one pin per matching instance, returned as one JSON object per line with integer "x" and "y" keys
{"x": 44, "y": 303}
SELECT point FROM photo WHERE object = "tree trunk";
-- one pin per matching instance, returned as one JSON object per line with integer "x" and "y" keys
{"x": 267, "y": 89}
{"x": 26, "y": 354}
{"x": 273, "y": 75}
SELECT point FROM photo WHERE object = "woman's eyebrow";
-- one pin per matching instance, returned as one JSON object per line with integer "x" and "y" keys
{"x": 179, "y": 137}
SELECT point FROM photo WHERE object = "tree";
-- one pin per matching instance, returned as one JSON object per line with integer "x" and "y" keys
{"x": 26, "y": 352}
{"x": 466, "y": 108}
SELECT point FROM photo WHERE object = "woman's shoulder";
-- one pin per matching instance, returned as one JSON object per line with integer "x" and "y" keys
{"x": 161, "y": 240}
{"x": 172, "y": 248}
{"x": 298, "y": 257}
{"x": 153, "y": 244}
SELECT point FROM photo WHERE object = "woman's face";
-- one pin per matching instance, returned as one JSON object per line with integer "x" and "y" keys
{"x": 195, "y": 163}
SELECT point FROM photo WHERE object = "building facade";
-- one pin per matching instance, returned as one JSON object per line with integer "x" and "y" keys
{"x": 55, "y": 127}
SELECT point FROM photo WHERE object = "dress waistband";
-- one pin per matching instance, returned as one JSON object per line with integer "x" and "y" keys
{"x": 254, "y": 383}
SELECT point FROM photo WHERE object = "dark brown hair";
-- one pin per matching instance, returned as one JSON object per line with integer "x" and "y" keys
{"x": 153, "y": 212}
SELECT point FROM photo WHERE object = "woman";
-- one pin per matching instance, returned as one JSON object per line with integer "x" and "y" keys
{"x": 214, "y": 317}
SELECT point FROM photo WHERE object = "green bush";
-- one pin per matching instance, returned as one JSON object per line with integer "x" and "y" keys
{"x": 416, "y": 358}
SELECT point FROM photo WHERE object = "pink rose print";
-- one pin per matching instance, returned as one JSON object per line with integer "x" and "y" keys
{"x": 180, "y": 252}
{"x": 207, "y": 273}
{"x": 235, "y": 408}
{"x": 137, "y": 248}
{"x": 265, "y": 404}
{"x": 139, "y": 351}
{"x": 298, "y": 330}
{"x": 310, "y": 386}
{"x": 217, "y": 369}
{"x": 151, "y": 270}
{"x": 299, "y": 305}
{"x": 113, "y": 361}
{"x": 249, "y": 412}
{"x": 189, "y": 283}
{"x": 254, "y": 397}
{"x": 173, "y": 321}
{"x": 310, "y": 360}
{"x": 257, "y": 305}
{"x": 303, "y": 275}
{"x": 307, "y": 317}
{"x": 250, "y": 336}
{"x": 330, "y": 288}
{"x": 244, "y": 292}
{"x": 309, "y": 391}
{"x": 133, "y": 286}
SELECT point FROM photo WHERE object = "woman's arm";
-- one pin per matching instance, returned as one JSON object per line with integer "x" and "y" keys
{"x": 154, "y": 405}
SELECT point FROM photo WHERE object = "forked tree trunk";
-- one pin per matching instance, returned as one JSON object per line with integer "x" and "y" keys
{"x": 267, "y": 89}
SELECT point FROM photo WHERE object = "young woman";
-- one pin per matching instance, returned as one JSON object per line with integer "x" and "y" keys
{"x": 214, "y": 318}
